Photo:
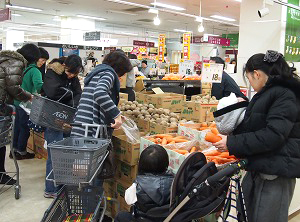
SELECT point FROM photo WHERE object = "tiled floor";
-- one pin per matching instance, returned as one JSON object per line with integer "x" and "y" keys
{"x": 32, "y": 205}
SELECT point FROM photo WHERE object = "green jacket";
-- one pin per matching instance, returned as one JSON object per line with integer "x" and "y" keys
{"x": 32, "y": 80}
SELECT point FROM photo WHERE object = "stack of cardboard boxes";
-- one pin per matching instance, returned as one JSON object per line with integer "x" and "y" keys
{"x": 36, "y": 143}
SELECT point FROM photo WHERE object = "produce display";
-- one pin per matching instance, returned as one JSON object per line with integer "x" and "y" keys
{"x": 164, "y": 139}
{"x": 149, "y": 113}
{"x": 205, "y": 99}
{"x": 172, "y": 77}
{"x": 193, "y": 77}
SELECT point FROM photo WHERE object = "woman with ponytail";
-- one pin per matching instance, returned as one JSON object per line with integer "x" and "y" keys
{"x": 269, "y": 137}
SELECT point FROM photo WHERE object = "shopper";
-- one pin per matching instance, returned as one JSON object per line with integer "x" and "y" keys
{"x": 100, "y": 96}
{"x": 41, "y": 63}
{"x": 130, "y": 79}
{"x": 12, "y": 65}
{"x": 269, "y": 138}
{"x": 151, "y": 188}
{"x": 32, "y": 83}
{"x": 145, "y": 69}
{"x": 227, "y": 85}
{"x": 61, "y": 83}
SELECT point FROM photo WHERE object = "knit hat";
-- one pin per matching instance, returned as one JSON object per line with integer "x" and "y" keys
{"x": 230, "y": 113}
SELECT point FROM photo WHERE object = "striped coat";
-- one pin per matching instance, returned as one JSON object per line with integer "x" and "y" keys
{"x": 99, "y": 100}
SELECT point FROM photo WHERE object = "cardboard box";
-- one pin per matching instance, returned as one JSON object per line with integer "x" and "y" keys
{"x": 198, "y": 112}
{"x": 123, "y": 81}
{"x": 189, "y": 131}
{"x": 125, "y": 172}
{"x": 159, "y": 129}
{"x": 123, "y": 96}
{"x": 171, "y": 101}
{"x": 118, "y": 132}
{"x": 139, "y": 85}
{"x": 126, "y": 151}
{"x": 109, "y": 188}
{"x": 143, "y": 125}
{"x": 121, "y": 187}
{"x": 206, "y": 91}
{"x": 39, "y": 146}
{"x": 30, "y": 141}
{"x": 142, "y": 97}
{"x": 206, "y": 85}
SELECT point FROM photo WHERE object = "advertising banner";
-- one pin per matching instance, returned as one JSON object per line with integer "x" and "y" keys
{"x": 186, "y": 46}
{"x": 161, "y": 47}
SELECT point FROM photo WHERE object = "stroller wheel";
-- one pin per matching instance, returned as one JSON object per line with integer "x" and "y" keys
{"x": 17, "y": 192}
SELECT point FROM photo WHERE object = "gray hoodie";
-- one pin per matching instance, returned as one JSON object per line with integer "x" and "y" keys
{"x": 130, "y": 80}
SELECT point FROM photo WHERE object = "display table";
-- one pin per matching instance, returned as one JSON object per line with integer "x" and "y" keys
{"x": 187, "y": 87}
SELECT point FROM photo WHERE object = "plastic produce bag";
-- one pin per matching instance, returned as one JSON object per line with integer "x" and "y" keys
{"x": 131, "y": 130}
{"x": 130, "y": 195}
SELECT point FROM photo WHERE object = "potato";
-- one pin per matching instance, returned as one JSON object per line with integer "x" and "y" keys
{"x": 133, "y": 106}
{"x": 158, "y": 120}
{"x": 166, "y": 112}
{"x": 147, "y": 119}
{"x": 173, "y": 115}
{"x": 135, "y": 112}
{"x": 129, "y": 103}
{"x": 152, "y": 120}
{"x": 150, "y": 110}
{"x": 129, "y": 112}
{"x": 164, "y": 123}
{"x": 127, "y": 107}
{"x": 205, "y": 101}
{"x": 156, "y": 116}
{"x": 173, "y": 124}
{"x": 144, "y": 112}
{"x": 172, "y": 119}
{"x": 148, "y": 116}
{"x": 140, "y": 105}
{"x": 151, "y": 106}
{"x": 213, "y": 98}
{"x": 135, "y": 103}
{"x": 162, "y": 116}
{"x": 141, "y": 117}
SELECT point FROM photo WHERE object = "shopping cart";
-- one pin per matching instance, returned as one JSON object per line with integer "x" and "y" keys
{"x": 76, "y": 161}
{"x": 7, "y": 125}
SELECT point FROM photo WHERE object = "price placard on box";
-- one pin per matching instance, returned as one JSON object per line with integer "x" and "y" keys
{"x": 212, "y": 72}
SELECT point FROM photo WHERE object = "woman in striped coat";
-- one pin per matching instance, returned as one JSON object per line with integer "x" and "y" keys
{"x": 100, "y": 97}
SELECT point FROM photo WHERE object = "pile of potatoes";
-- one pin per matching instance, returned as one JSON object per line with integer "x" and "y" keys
{"x": 206, "y": 99}
{"x": 151, "y": 114}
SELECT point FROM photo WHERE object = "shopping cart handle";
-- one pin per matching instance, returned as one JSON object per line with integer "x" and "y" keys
{"x": 227, "y": 172}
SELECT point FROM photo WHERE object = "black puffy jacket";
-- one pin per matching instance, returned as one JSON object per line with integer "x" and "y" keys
{"x": 269, "y": 136}
{"x": 56, "y": 83}
{"x": 153, "y": 192}
{"x": 12, "y": 65}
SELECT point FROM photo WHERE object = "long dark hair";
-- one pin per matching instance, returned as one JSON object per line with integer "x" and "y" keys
{"x": 154, "y": 159}
{"x": 274, "y": 68}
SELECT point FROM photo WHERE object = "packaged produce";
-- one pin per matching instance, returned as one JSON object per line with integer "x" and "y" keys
{"x": 205, "y": 99}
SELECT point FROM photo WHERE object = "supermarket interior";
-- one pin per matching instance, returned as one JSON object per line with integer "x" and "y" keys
{"x": 149, "y": 110}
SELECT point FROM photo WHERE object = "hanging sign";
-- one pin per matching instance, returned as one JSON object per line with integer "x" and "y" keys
{"x": 161, "y": 47}
{"x": 91, "y": 36}
{"x": 143, "y": 43}
{"x": 212, "y": 72}
{"x": 5, "y": 14}
{"x": 127, "y": 49}
{"x": 186, "y": 67}
{"x": 186, "y": 46}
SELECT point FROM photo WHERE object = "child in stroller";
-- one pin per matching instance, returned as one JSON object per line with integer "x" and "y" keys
{"x": 149, "y": 195}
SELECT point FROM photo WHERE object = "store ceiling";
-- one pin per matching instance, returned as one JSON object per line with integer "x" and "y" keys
{"x": 124, "y": 18}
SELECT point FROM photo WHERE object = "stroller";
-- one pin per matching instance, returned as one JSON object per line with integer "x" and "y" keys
{"x": 198, "y": 190}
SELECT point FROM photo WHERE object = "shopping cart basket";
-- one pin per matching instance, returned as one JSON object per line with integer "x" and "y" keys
{"x": 74, "y": 203}
{"x": 51, "y": 114}
{"x": 77, "y": 160}
{"x": 7, "y": 124}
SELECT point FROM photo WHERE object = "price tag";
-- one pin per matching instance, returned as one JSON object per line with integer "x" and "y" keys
{"x": 212, "y": 72}
{"x": 186, "y": 67}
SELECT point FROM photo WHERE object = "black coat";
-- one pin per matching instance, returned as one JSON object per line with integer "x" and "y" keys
{"x": 55, "y": 80}
{"x": 227, "y": 86}
{"x": 269, "y": 136}
{"x": 153, "y": 192}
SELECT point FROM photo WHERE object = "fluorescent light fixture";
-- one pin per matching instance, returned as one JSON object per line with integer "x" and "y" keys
{"x": 212, "y": 35}
{"x": 199, "y": 19}
{"x": 153, "y": 10}
{"x": 181, "y": 30}
{"x": 57, "y": 18}
{"x": 156, "y": 20}
{"x": 121, "y": 12}
{"x": 23, "y": 8}
{"x": 91, "y": 17}
{"x": 46, "y": 24}
{"x": 17, "y": 15}
{"x": 168, "y": 6}
{"x": 129, "y": 33}
{"x": 223, "y": 18}
{"x": 265, "y": 21}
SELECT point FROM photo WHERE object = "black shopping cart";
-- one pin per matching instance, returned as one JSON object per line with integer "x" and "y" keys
{"x": 7, "y": 125}
{"x": 76, "y": 162}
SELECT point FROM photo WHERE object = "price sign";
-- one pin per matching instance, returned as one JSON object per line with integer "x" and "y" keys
{"x": 186, "y": 67}
{"x": 212, "y": 72}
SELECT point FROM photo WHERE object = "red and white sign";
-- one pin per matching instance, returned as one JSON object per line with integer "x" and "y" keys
{"x": 186, "y": 46}
{"x": 161, "y": 47}
{"x": 5, "y": 15}
{"x": 143, "y": 43}
{"x": 218, "y": 41}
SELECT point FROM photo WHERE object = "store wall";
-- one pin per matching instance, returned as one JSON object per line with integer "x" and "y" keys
{"x": 258, "y": 37}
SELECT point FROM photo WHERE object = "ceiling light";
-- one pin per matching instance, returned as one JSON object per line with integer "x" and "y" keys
{"x": 200, "y": 28}
{"x": 24, "y": 8}
{"x": 153, "y": 10}
{"x": 57, "y": 18}
{"x": 223, "y": 18}
{"x": 263, "y": 12}
{"x": 128, "y": 33}
{"x": 17, "y": 15}
{"x": 124, "y": 13}
{"x": 181, "y": 30}
{"x": 156, "y": 20}
{"x": 167, "y": 6}
{"x": 91, "y": 17}
{"x": 199, "y": 19}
